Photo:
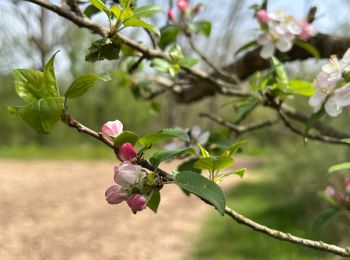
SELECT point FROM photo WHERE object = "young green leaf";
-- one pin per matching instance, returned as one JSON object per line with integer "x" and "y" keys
{"x": 308, "y": 47}
{"x": 126, "y": 137}
{"x": 49, "y": 77}
{"x": 175, "y": 53}
{"x": 279, "y": 69}
{"x": 167, "y": 133}
{"x": 125, "y": 3}
{"x": 159, "y": 157}
{"x": 91, "y": 10}
{"x": 100, "y": 6}
{"x": 203, "y": 27}
{"x": 82, "y": 84}
{"x": 188, "y": 62}
{"x": 116, "y": 11}
{"x": 154, "y": 201}
{"x": 134, "y": 22}
{"x": 214, "y": 163}
{"x": 41, "y": 114}
{"x": 168, "y": 34}
{"x": 103, "y": 49}
{"x": 234, "y": 148}
{"x": 301, "y": 87}
{"x": 239, "y": 172}
{"x": 203, "y": 188}
{"x": 188, "y": 166}
{"x": 29, "y": 84}
{"x": 246, "y": 46}
{"x": 160, "y": 65}
{"x": 204, "y": 152}
{"x": 339, "y": 167}
{"x": 146, "y": 11}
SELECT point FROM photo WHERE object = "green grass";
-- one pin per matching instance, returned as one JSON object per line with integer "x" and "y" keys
{"x": 83, "y": 152}
{"x": 267, "y": 203}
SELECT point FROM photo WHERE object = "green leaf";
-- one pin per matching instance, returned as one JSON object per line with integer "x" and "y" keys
{"x": 91, "y": 10}
{"x": 214, "y": 163}
{"x": 154, "y": 201}
{"x": 203, "y": 188}
{"x": 160, "y": 65}
{"x": 126, "y": 137}
{"x": 239, "y": 172}
{"x": 116, "y": 11}
{"x": 49, "y": 77}
{"x": 279, "y": 69}
{"x": 29, "y": 84}
{"x": 308, "y": 47}
{"x": 324, "y": 218}
{"x": 126, "y": 13}
{"x": 188, "y": 62}
{"x": 234, "y": 148}
{"x": 188, "y": 166}
{"x": 41, "y": 114}
{"x": 167, "y": 133}
{"x": 100, "y": 6}
{"x": 301, "y": 87}
{"x": 168, "y": 34}
{"x": 125, "y": 3}
{"x": 134, "y": 22}
{"x": 82, "y": 84}
{"x": 246, "y": 46}
{"x": 146, "y": 11}
{"x": 175, "y": 53}
{"x": 174, "y": 69}
{"x": 204, "y": 152}
{"x": 339, "y": 167}
{"x": 103, "y": 49}
{"x": 203, "y": 27}
{"x": 159, "y": 157}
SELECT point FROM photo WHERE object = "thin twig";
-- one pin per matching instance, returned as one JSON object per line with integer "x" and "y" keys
{"x": 319, "y": 245}
{"x": 237, "y": 128}
{"x": 231, "y": 78}
{"x": 313, "y": 136}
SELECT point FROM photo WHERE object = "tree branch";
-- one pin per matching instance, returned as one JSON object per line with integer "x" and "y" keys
{"x": 251, "y": 62}
{"x": 319, "y": 245}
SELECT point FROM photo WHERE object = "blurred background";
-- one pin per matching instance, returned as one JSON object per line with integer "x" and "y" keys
{"x": 52, "y": 185}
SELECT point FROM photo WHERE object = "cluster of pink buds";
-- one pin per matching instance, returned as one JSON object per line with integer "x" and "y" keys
{"x": 184, "y": 8}
{"x": 279, "y": 31}
{"x": 127, "y": 175}
{"x": 340, "y": 199}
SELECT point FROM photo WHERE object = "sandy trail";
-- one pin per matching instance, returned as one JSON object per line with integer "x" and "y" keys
{"x": 57, "y": 210}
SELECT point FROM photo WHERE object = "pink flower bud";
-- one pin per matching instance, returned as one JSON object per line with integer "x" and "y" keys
{"x": 262, "y": 16}
{"x": 341, "y": 197}
{"x": 115, "y": 194}
{"x": 197, "y": 8}
{"x": 307, "y": 30}
{"x": 171, "y": 15}
{"x": 112, "y": 128}
{"x": 347, "y": 184}
{"x": 183, "y": 5}
{"x": 127, "y": 174}
{"x": 127, "y": 152}
{"x": 329, "y": 191}
{"x": 137, "y": 202}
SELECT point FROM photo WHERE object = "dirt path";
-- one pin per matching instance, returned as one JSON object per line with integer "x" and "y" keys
{"x": 56, "y": 210}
